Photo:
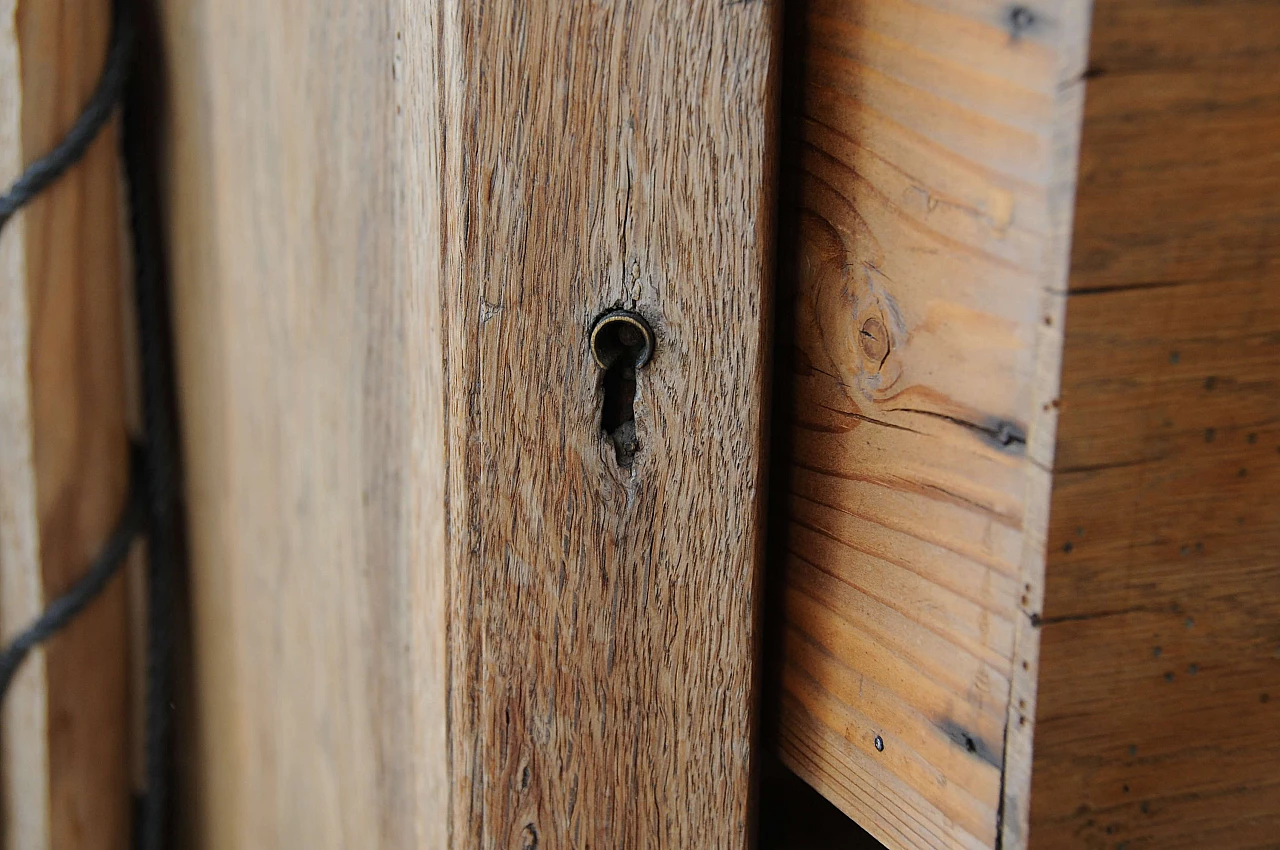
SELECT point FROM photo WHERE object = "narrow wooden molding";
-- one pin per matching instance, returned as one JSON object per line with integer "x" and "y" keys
{"x": 65, "y": 450}
{"x": 24, "y": 720}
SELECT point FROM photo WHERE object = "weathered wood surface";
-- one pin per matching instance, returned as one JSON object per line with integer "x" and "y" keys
{"x": 935, "y": 163}
{"x": 1160, "y": 665}
{"x": 63, "y": 444}
{"x": 429, "y": 609}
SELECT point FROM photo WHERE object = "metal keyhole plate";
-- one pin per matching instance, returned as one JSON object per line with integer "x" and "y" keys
{"x": 618, "y": 333}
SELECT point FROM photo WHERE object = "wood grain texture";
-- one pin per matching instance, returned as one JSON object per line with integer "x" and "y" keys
{"x": 24, "y": 750}
{"x": 936, "y": 166}
{"x": 307, "y": 345}
{"x": 608, "y": 614}
{"x": 68, "y": 728}
{"x": 429, "y": 608}
{"x": 1160, "y": 665}
{"x": 66, "y": 469}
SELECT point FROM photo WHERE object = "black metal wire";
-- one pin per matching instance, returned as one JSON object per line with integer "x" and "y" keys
{"x": 34, "y": 179}
{"x": 152, "y": 498}
{"x": 48, "y": 168}
{"x": 64, "y": 609}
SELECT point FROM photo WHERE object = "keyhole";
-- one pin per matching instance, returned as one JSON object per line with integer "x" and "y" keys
{"x": 621, "y": 343}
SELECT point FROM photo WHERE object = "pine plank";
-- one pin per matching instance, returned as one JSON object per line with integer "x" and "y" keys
{"x": 934, "y": 165}
{"x": 1159, "y": 666}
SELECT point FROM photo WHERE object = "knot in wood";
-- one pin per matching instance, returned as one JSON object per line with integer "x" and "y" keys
{"x": 874, "y": 339}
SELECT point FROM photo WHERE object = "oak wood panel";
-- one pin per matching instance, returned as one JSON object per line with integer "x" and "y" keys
{"x": 429, "y": 608}
{"x": 1160, "y": 663}
{"x": 65, "y": 474}
{"x": 610, "y": 612}
{"x": 935, "y": 167}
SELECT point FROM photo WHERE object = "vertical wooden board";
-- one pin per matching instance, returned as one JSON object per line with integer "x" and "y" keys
{"x": 1156, "y": 724}
{"x": 66, "y": 471}
{"x": 79, "y": 441}
{"x": 305, "y": 275}
{"x": 618, "y": 157}
{"x": 24, "y": 726}
{"x": 935, "y": 169}
{"x": 392, "y": 230}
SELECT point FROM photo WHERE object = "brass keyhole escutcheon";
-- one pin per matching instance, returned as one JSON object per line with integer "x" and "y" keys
{"x": 621, "y": 342}
{"x": 621, "y": 334}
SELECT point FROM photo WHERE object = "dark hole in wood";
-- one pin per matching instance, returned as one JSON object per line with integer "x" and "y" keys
{"x": 621, "y": 342}
{"x": 617, "y": 415}
{"x": 793, "y": 816}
